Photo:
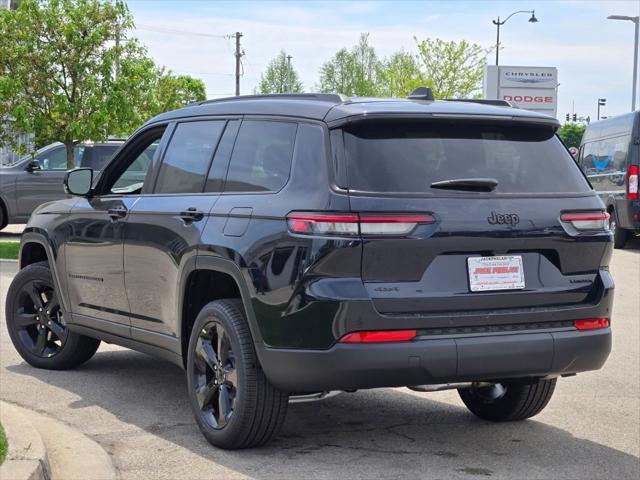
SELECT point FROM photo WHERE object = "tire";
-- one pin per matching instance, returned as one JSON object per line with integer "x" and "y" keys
{"x": 235, "y": 406}
{"x": 41, "y": 337}
{"x": 516, "y": 402}
{"x": 4, "y": 221}
{"x": 620, "y": 235}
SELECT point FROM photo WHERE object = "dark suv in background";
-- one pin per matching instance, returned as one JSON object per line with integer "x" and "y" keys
{"x": 32, "y": 181}
{"x": 286, "y": 245}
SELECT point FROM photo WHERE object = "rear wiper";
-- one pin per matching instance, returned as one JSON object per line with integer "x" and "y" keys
{"x": 469, "y": 184}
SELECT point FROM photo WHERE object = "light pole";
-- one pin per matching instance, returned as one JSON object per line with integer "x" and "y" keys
{"x": 499, "y": 23}
{"x": 601, "y": 103}
{"x": 635, "y": 20}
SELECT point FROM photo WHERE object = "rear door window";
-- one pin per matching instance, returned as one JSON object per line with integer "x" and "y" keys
{"x": 407, "y": 156}
{"x": 186, "y": 163}
{"x": 261, "y": 159}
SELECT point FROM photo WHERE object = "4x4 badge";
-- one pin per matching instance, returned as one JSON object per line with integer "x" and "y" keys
{"x": 508, "y": 218}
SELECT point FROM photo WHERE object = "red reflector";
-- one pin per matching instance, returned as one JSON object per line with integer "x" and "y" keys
{"x": 577, "y": 217}
{"x": 379, "y": 336}
{"x": 591, "y": 323}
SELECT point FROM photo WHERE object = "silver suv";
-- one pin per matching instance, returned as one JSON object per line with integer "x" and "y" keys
{"x": 32, "y": 181}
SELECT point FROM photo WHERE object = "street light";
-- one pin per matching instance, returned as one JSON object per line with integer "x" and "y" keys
{"x": 601, "y": 103}
{"x": 635, "y": 20}
{"x": 498, "y": 23}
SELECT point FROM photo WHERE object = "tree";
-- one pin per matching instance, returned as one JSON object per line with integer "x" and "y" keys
{"x": 451, "y": 69}
{"x": 65, "y": 78}
{"x": 398, "y": 75}
{"x": 280, "y": 77}
{"x": 352, "y": 72}
{"x": 571, "y": 134}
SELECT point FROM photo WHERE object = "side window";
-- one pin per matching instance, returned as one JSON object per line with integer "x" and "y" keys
{"x": 261, "y": 159}
{"x": 186, "y": 162}
{"x": 130, "y": 171}
{"x": 55, "y": 159}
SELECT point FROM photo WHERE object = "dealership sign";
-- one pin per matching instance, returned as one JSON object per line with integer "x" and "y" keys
{"x": 532, "y": 88}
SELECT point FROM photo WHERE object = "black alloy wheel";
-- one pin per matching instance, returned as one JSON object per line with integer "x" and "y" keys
{"x": 233, "y": 402}
{"x": 39, "y": 322}
{"x": 37, "y": 325}
{"x": 215, "y": 375}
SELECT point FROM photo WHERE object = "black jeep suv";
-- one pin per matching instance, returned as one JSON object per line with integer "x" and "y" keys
{"x": 300, "y": 244}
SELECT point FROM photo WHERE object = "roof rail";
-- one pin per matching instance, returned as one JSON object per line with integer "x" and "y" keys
{"x": 483, "y": 101}
{"x": 320, "y": 97}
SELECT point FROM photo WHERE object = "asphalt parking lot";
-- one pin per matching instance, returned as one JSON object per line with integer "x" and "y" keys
{"x": 136, "y": 407}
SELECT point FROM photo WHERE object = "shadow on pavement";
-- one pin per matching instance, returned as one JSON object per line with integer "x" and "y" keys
{"x": 367, "y": 434}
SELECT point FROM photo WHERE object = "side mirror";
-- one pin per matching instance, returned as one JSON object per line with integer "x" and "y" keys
{"x": 33, "y": 166}
{"x": 78, "y": 181}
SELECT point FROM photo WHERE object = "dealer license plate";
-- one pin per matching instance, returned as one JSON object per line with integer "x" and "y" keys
{"x": 495, "y": 273}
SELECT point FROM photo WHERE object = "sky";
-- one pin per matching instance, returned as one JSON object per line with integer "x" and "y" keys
{"x": 594, "y": 56}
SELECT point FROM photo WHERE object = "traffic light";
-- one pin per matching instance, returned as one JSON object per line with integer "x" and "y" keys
{"x": 567, "y": 117}
{"x": 602, "y": 102}
{"x": 575, "y": 117}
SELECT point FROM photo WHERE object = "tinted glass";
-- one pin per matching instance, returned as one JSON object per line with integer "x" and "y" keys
{"x": 605, "y": 163}
{"x": 220, "y": 163}
{"x": 403, "y": 156}
{"x": 55, "y": 159}
{"x": 132, "y": 180}
{"x": 188, "y": 157}
{"x": 261, "y": 158}
{"x": 98, "y": 156}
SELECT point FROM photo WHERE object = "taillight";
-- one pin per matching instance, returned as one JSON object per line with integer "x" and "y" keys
{"x": 587, "y": 220}
{"x": 379, "y": 336}
{"x": 314, "y": 223}
{"x": 632, "y": 183}
{"x": 591, "y": 323}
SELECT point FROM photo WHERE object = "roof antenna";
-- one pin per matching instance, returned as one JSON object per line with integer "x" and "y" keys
{"x": 422, "y": 93}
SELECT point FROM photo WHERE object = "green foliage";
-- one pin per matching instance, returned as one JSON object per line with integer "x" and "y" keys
{"x": 4, "y": 445}
{"x": 278, "y": 79}
{"x": 451, "y": 69}
{"x": 398, "y": 75}
{"x": 571, "y": 134}
{"x": 8, "y": 250}
{"x": 352, "y": 72}
{"x": 64, "y": 77}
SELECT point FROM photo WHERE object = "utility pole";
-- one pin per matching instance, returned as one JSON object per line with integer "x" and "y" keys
{"x": 238, "y": 56}
{"x": 288, "y": 74}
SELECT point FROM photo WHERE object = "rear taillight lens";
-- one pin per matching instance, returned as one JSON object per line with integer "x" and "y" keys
{"x": 598, "y": 221}
{"x": 379, "y": 336}
{"x": 632, "y": 183}
{"x": 314, "y": 223}
{"x": 591, "y": 323}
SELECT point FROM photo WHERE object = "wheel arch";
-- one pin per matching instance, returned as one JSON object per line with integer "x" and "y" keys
{"x": 36, "y": 247}
{"x": 209, "y": 279}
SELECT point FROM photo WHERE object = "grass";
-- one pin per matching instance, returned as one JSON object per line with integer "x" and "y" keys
{"x": 9, "y": 250}
{"x": 4, "y": 445}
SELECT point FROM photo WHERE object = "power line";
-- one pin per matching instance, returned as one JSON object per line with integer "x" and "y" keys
{"x": 152, "y": 28}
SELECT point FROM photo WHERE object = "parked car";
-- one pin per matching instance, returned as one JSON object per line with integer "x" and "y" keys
{"x": 610, "y": 158}
{"x": 35, "y": 180}
{"x": 292, "y": 245}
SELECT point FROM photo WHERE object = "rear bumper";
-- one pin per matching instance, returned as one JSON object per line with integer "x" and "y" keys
{"x": 437, "y": 360}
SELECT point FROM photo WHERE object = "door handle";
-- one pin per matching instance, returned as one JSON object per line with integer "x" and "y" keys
{"x": 191, "y": 215}
{"x": 116, "y": 213}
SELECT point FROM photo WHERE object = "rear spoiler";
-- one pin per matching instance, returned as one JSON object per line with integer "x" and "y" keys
{"x": 483, "y": 101}
{"x": 517, "y": 119}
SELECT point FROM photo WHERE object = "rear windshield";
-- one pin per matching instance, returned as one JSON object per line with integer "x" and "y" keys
{"x": 408, "y": 156}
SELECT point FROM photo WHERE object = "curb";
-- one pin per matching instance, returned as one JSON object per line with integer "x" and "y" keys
{"x": 68, "y": 453}
{"x": 27, "y": 456}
